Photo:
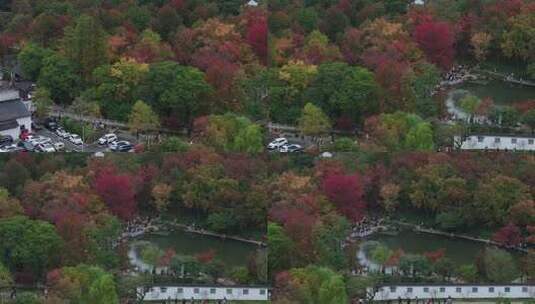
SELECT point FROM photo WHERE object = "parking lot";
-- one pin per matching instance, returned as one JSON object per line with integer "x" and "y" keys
{"x": 45, "y": 138}
{"x": 70, "y": 147}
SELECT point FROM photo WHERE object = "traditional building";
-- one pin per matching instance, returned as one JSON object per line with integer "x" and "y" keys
{"x": 204, "y": 292}
{"x": 495, "y": 142}
{"x": 455, "y": 292}
{"x": 15, "y": 116}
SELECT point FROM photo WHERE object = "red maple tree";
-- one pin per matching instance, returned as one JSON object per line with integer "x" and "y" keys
{"x": 117, "y": 192}
{"x": 508, "y": 235}
{"x": 436, "y": 39}
{"x": 346, "y": 193}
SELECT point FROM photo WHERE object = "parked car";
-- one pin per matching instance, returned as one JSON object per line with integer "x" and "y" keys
{"x": 108, "y": 138}
{"x": 26, "y": 146}
{"x": 10, "y": 148}
{"x": 114, "y": 145}
{"x": 290, "y": 148}
{"x": 62, "y": 133}
{"x": 51, "y": 124}
{"x": 6, "y": 140}
{"x": 59, "y": 146}
{"x": 46, "y": 147}
{"x": 76, "y": 139}
{"x": 125, "y": 148}
{"x": 37, "y": 140}
{"x": 277, "y": 143}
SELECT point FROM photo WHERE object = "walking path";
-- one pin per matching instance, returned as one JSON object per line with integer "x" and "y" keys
{"x": 59, "y": 112}
{"x": 142, "y": 225}
{"x": 418, "y": 228}
{"x": 507, "y": 78}
{"x": 193, "y": 229}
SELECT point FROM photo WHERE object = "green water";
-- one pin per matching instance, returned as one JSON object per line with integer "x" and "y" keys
{"x": 501, "y": 92}
{"x": 232, "y": 253}
{"x": 458, "y": 250}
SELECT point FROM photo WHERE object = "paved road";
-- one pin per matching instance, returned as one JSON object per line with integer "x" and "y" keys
{"x": 86, "y": 147}
{"x": 91, "y": 147}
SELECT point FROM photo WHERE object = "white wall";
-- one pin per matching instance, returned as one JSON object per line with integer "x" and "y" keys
{"x": 14, "y": 133}
{"x": 206, "y": 293}
{"x": 473, "y": 142}
{"x": 26, "y": 121}
{"x": 455, "y": 292}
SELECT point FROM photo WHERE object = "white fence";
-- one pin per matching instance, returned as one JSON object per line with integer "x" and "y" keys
{"x": 495, "y": 142}
{"x": 395, "y": 292}
{"x": 234, "y": 293}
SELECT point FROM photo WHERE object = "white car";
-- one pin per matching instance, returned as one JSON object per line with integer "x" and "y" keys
{"x": 277, "y": 143}
{"x": 76, "y": 139}
{"x": 290, "y": 148}
{"x": 62, "y": 133}
{"x": 108, "y": 138}
{"x": 46, "y": 147}
{"x": 113, "y": 145}
{"x": 10, "y": 148}
{"x": 59, "y": 146}
{"x": 39, "y": 140}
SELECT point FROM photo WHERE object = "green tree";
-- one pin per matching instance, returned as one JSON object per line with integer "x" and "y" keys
{"x": 313, "y": 121}
{"x": 345, "y": 144}
{"x": 5, "y": 276}
{"x": 249, "y": 140}
{"x": 328, "y": 238}
{"x": 505, "y": 116}
{"x": 142, "y": 118}
{"x": 494, "y": 198}
{"x": 529, "y": 119}
{"x": 319, "y": 285}
{"x": 174, "y": 90}
{"x": 31, "y": 59}
{"x": 27, "y": 298}
{"x": 173, "y": 144}
{"x": 9, "y": 206}
{"x": 28, "y": 244}
{"x": 468, "y": 273}
{"x": 380, "y": 255}
{"x": 422, "y": 83}
{"x": 280, "y": 248}
{"x": 308, "y": 19}
{"x": 414, "y": 264}
{"x": 89, "y": 284}
{"x": 499, "y": 266}
{"x": 102, "y": 290}
{"x": 230, "y": 132}
{"x": 59, "y": 76}
{"x": 343, "y": 90}
{"x": 444, "y": 267}
{"x": 420, "y": 138}
{"x": 333, "y": 291}
{"x": 117, "y": 86}
{"x": 42, "y": 102}
{"x": 469, "y": 105}
{"x": 400, "y": 130}
{"x": 519, "y": 37}
{"x": 85, "y": 44}
{"x": 101, "y": 239}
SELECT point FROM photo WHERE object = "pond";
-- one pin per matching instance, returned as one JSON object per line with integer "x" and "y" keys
{"x": 501, "y": 92}
{"x": 460, "y": 251}
{"x": 232, "y": 253}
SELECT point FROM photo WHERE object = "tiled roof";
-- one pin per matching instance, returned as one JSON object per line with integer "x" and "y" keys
{"x": 12, "y": 109}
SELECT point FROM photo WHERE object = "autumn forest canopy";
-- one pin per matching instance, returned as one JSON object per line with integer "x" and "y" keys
{"x": 360, "y": 84}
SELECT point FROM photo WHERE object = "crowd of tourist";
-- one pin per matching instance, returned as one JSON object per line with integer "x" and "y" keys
{"x": 456, "y": 74}
{"x": 137, "y": 227}
{"x": 366, "y": 227}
